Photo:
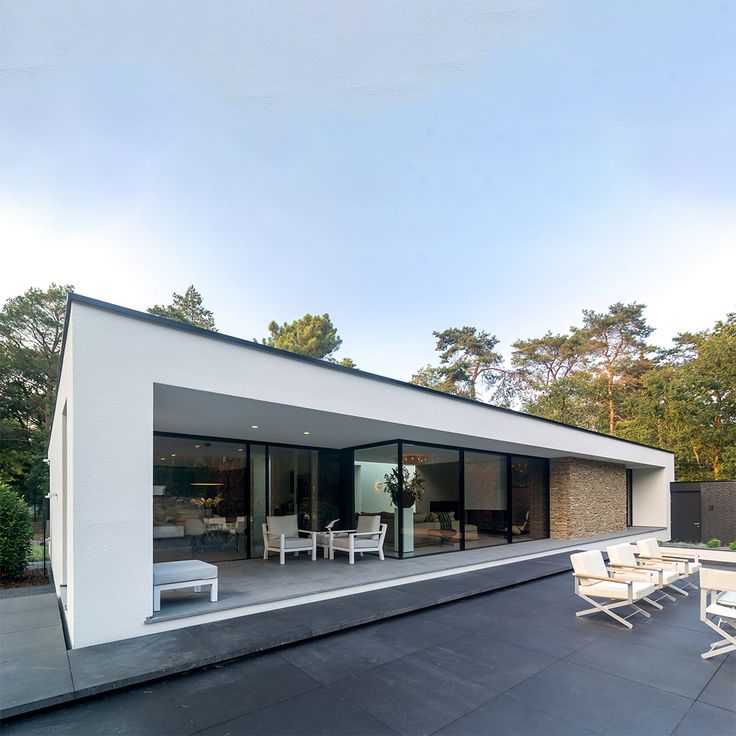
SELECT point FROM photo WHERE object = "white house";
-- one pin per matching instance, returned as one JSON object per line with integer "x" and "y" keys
{"x": 170, "y": 442}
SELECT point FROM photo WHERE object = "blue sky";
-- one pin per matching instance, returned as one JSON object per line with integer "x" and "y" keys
{"x": 405, "y": 167}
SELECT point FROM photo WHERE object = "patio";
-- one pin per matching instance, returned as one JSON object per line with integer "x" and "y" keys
{"x": 514, "y": 661}
{"x": 256, "y": 585}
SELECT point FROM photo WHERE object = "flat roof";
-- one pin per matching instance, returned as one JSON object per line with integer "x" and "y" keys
{"x": 252, "y": 345}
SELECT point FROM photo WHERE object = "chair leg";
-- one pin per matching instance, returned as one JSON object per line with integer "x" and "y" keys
{"x": 351, "y": 555}
{"x": 265, "y": 553}
{"x": 197, "y": 588}
{"x": 679, "y": 590}
{"x": 156, "y": 599}
{"x": 213, "y": 592}
{"x": 653, "y": 603}
{"x": 380, "y": 554}
{"x": 282, "y": 556}
{"x": 599, "y": 608}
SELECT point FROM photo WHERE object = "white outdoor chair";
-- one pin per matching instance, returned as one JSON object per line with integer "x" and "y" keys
{"x": 593, "y": 581}
{"x": 621, "y": 558}
{"x": 368, "y": 537}
{"x": 650, "y": 551}
{"x": 281, "y": 534}
{"x": 720, "y": 587}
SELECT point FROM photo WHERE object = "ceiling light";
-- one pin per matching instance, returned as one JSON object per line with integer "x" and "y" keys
{"x": 254, "y": 426}
{"x": 163, "y": 458}
{"x": 307, "y": 433}
{"x": 240, "y": 449}
{"x": 198, "y": 446}
{"x": 173, "y": 454}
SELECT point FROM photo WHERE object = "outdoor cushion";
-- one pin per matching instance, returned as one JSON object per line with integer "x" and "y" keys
{"x": 182, "y": 571}
{"x": 369, "y": 524}
{"x": 618, "y": 590}
{"x": 590, "y": 563}
{"x": 360, "y": 542}
{"x": 298, "y": 543}
{"x": 287, "y": 525}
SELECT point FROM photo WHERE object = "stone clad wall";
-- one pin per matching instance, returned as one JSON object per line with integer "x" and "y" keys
{"x": 587, "y": 498}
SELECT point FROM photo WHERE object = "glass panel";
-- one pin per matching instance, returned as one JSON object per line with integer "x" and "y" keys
{"x": 530, "y": 497}
{"x": 199, "y": 493}
{"x": 432, "y": 521}
{"x": 486, "y": 496}
{"x": 258, "y": 496}
{"x": 293, "y": 476}
{"x": 332, "y": 501}
{"x": 371, "y": 466}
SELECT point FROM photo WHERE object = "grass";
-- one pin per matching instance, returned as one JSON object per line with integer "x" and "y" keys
{"x": 37, "y": 553}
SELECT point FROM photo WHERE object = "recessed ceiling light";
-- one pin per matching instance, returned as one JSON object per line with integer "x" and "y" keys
{"x": 307, "y": 433}
{"x": 163, "y": 458}
{"x": 173, "y": 454}
{"x": 254, "y": 426}
{"x": 198, "y": 446}
{"x": 240, "y": 449}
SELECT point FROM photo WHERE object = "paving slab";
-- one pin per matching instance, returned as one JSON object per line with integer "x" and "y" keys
{"x": 107, "y": 667}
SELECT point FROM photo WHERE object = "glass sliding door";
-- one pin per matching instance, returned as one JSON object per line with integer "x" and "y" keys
{"x": 258, "y": 497}
{"x": 486, "y": 499}
{"x": 200, "y": 504}
{"x": 433, "y": 523}
{"x": 371, "y": 465}
{"x": 293, "y": 483}
{"x": 530, "y": 498}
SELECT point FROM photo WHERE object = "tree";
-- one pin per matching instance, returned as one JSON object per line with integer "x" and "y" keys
{"x": 313, "y": 335}
{"x": 709, "y": 382}
{"x": 186, "y": 308}
{"x": 544, "y": 360}
{"x": 347, "y": 362}
{"x": 616, "y": 341}
{"x": 31, "y": 332}
{"x": 467, "y": 363}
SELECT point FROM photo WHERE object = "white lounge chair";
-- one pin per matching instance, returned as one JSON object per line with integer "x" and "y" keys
{"x": 621, "y": 557}
{"x": 368, "y": 537}
{"x": 650, "y": 551}
{"x": 281, "y": 534}
{"x": 592, "y": 580}
{"x": 720, "y": 587}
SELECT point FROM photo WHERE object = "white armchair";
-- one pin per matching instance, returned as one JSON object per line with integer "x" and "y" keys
{"x": 718, "y": 608}
{"x": 281, "y": 534}
{"x": 592, "y": 580}
{"x": 368, "y": 537}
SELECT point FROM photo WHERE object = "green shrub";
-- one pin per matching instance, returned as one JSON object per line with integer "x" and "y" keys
{"x": 15, "y": 533}
{"x": 714, "y": 542}
{"x": 732, "y": 546}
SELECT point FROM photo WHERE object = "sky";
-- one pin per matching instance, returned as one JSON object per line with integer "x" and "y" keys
{"x": 405, "y": 166}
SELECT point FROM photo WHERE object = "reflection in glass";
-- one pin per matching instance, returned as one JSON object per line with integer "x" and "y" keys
{"x": 485, "y": 499}
{"x": 293, "y": 475}
{"x": 432, "y": 522}
{"x": 371, "y": 465}
{"x": 258, "y": 495}
{"x": 530, "y": 498}
{"x": 199, "y": 490}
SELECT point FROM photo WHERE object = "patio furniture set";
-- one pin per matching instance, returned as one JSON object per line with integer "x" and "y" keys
{"x": 635, "y": 575}
{"x": 281, "y": 534}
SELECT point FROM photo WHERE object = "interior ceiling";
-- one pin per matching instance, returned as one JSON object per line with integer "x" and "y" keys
{"x": 205, "y": 414}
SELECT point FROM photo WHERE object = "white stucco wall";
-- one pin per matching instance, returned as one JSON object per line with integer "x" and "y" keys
{"x": 116, "y": 362}
{"x": 651, "y": 495}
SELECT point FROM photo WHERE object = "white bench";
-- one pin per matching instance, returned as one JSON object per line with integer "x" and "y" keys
{"x": 183, "y": 574}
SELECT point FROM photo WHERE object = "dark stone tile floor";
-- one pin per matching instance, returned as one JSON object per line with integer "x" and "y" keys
{"x": 30, "y": 628}
{"x": 514, "y": 661}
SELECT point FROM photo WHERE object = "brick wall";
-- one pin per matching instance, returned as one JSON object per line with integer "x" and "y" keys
{"x": 587, "y": 498}
{"x": 718, "y": 522}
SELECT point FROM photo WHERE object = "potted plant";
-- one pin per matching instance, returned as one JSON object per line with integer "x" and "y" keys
{"x": 413, "y": 488}
{"x": 208, "y": 504}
